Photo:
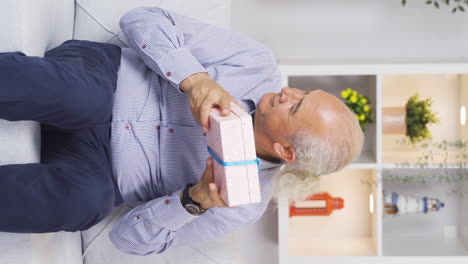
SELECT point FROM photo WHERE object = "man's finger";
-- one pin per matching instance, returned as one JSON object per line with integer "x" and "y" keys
{"x": 225, "y": 106}
{"x": 237, "y": 103}
{"x": 207, "y": 176}
{"x": 204, "y": 114}
{"x": 214, "y": 196}
{"x": 195, "y": 104}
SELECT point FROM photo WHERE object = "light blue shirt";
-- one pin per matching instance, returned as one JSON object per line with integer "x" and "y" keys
{"x": 157, "y": 147}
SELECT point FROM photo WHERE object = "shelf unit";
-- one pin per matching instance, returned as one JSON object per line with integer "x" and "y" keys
{"x": 312, "y": 245}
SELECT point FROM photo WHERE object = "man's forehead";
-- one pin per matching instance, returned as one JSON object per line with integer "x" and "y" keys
{"x": 306, "y": 111}
{"x": 310, "y": 102}
{"x": 318, "y": 111}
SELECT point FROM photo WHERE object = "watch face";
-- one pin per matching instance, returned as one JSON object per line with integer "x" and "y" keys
{"x": 192, "y": 209}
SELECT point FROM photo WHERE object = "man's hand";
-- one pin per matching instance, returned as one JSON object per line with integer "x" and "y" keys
{"x": 204, "y": 93}
{"x": 205, "y": 192}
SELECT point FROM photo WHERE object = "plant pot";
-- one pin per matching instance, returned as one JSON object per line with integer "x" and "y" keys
{"x": 394, "y": 120}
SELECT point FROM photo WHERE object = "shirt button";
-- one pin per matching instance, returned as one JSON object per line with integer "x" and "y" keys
{"x": 137, "y": 217}
{"x": 157, "y": 127}
{"x": 127, "y": 126}
{"x": 143, "y": 47}
{"x": 171, "y": 130}
{"x": 167, "y": 201}
{"x": 168, "y": 74}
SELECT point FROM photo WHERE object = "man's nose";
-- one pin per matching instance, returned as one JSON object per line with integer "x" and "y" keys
{"x": 287, "y": 92}
{"x": 283, "y": 96}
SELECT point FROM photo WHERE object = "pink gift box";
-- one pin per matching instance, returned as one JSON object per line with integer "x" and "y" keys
{"x": 231, "y": 140}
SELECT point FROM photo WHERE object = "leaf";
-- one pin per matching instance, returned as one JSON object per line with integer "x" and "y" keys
{"x": 428, "y": 2}
{"x": 461, "y": 8}
{"x": 436, "y": 4}
{"x": 454, "y": 10}
{"x": 447, "y": 2}
{"x": 403, "y": 2}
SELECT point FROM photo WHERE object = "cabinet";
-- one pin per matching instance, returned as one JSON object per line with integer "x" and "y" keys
{"x": 360, "y": 233}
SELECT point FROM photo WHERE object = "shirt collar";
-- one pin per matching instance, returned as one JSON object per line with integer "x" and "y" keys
{"x": 252, "y": 114}
{"x": 265, "y": 165}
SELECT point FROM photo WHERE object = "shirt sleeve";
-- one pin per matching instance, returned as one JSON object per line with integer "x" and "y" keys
{"x": 163, "y": 223}
{"x": 175, "y": 46}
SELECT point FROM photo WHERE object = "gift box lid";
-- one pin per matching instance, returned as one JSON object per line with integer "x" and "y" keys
{"x": 231, "y": 137}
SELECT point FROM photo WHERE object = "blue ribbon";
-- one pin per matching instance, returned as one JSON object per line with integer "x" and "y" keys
{"x": 232, "y": 163}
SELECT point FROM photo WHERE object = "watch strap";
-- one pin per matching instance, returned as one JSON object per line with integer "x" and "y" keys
{"x": 187, "y": 200}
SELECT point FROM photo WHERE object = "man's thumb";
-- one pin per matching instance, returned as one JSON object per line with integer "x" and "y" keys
{"x": 208, "y": 175}
{"x": 209, "y": 166}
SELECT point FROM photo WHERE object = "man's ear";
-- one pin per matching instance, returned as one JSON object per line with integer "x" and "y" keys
{"x": 285, "y": 152}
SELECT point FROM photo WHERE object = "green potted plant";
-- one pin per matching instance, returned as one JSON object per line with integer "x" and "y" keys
{"x": 418, "y": 116}
{"x": 411, "y": 120}
{"x": 360, "y": 105}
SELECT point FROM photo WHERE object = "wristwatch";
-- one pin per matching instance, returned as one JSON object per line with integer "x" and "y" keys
{"x": 190, "y": 205}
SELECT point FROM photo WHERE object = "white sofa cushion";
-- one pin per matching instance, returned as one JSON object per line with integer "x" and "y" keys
{"x": 15, "y": 248}
{"x": 33, "y": 26}
{"x": 20, "y": 142}
{"x": 51, "y": 248}
{"x": 99, "y": 20}
{"x": 56, "y": 248}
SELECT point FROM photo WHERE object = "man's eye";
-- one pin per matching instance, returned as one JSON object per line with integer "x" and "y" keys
{"x": 291, "y": 109}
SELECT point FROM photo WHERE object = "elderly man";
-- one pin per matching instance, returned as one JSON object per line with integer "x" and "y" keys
{"x": 140, "y": 137}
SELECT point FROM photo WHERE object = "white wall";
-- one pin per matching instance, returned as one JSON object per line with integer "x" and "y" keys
{"x": 312, "y": 31}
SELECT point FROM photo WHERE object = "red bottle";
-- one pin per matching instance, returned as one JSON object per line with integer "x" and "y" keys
{"x": 327, "y": 206}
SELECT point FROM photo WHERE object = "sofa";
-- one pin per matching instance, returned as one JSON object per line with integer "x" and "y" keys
{"x": 35, "y": 26}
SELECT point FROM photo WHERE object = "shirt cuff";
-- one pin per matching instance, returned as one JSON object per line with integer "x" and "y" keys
{"x": 178, "y": 65}
{"x": 171, "y": 213}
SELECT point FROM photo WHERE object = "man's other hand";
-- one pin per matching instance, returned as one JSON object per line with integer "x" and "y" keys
{"x": 206, "y": 192}
{"x": 204, "y": 94}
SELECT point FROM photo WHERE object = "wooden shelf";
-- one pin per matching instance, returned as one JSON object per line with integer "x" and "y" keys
{"x": 379, "y": 246}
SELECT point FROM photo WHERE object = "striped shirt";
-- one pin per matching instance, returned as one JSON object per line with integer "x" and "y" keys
{"x": 157, "y": 146}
